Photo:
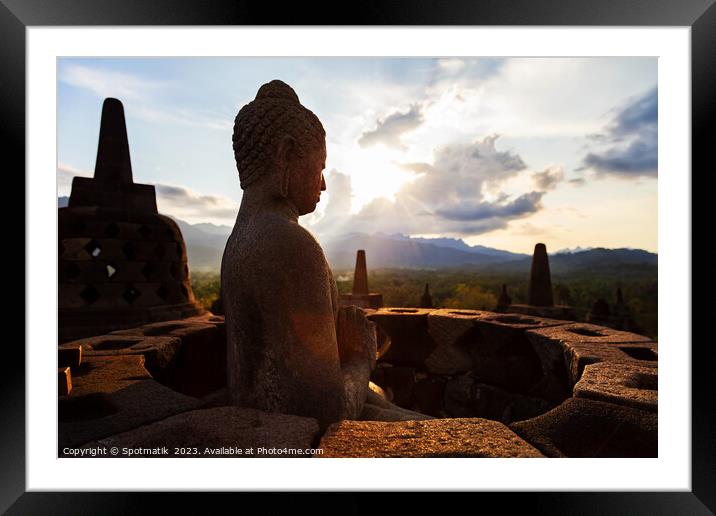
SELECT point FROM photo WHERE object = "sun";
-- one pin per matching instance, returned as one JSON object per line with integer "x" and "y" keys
{"x": 374, "y": 171}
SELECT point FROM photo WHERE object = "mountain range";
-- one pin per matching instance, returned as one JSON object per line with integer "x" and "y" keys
{"x": 205, "y": 246}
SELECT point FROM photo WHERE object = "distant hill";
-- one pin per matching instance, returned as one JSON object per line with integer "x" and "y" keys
{"x": 596, "y": 261}
{"x": 206, "y": 242}
{"x": 399, "y": 251}
{"x": 205, "y": 246}
{"x": 460, "y": 245}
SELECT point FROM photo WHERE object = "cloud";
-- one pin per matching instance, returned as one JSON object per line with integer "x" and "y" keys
{"x": 111, "y": 83}
{"x": 524, "y": 204}
{"x": 448, "y": 196}
{"x": 549, "y": 178}
{"x": 530, "y": 230}
{"x": 630, "y": 141}
{"x": 142, "y": 97}
{"x": 421, "y": 168}
{"x": 452, "y": 65}
{"x": 183, "y": 117}
{"x": 639, "y": 158}
{"x": 389, "y": 130}
{"x": 335, "y": 216}
{"x": 464, "y": 168}
{"x": 640, "y": 114}
{"x": 191, "y": 206}
{"x": 339, "y": 192}
{"x": 465, "y": 70}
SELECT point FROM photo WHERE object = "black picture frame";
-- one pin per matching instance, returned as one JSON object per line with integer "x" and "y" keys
{"x": 700, "y": 15}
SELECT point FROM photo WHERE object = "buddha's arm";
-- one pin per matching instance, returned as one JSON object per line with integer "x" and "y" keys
{"x": 357, "y": 349}
{"x": 299, "y": 319}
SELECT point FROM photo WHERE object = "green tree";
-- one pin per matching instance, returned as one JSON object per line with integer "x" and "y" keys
{"x": 471, "y": 296}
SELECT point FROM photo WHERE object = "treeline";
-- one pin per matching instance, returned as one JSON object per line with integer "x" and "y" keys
{"x": 206, "y": 286}
{"x": 460, "y": 288}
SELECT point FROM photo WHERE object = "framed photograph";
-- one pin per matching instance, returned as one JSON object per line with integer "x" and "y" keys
{"x": 429, "y": 154}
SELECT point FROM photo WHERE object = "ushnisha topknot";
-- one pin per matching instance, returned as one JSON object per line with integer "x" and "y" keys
{"x": 258, "y": 127}
{"x": 277, "y": 90}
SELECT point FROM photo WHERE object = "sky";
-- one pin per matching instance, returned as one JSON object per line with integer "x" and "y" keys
{"x": 501, "y": 152}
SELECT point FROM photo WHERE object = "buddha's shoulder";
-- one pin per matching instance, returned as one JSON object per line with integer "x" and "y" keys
{"x": 277, "y": 237}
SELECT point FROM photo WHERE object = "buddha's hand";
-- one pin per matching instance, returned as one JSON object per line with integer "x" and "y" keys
{"x": 356, "y": 336}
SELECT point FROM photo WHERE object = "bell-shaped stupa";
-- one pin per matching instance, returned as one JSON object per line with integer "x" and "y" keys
{"x": 121, "y": 263}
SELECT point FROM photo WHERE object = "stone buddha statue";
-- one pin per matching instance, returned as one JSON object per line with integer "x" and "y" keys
{"x": 290, "y": 348}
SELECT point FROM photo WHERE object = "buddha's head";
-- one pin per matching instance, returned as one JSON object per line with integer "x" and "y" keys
{"x": 280, "y": 146}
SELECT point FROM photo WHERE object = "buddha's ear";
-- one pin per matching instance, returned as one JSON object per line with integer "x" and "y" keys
{"x": 286, "y": 154}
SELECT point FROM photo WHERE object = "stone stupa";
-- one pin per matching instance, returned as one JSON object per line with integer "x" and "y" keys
{"x": 361, "y": 296}
{"x": 121, "y": 263}
{"x": 600, "y": 313}
{"x": 426, "y": 300}
{"x": 504, "y": 301}
{"x": 540, "y": 299}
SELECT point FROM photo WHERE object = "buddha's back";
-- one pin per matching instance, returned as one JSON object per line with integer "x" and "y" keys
{"x": 280, "y": 304}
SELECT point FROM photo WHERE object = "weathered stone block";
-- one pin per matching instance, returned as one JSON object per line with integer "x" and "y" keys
{"x": 218, "y": 398}
{"x": 430, "y": 438}
{"x": 560, "y": 312}
{"x": 410, "y": 343}
{"x": 69, "y": 356}
{"x": 183, "y": 328}
{"x": 373, "y": 412}
{"x": 371, "y": 301}
{"x": 200, "y": 364}
{"x": 587, "y": 333}
{"x": 586, "y": 428}
{"x": 465, "y": 396}
{"x": 376, "y": 399}
{"x": 113, "y": 394}
{"x": 159, "y": 352}
{"x": 448, "y": 328}
{"x": 220, "y": 428}
{"x": 504, "y": 334}
{"x": 159, "y": 314}
{"x": 554, "y": 384}
{"x": 210, "y": 318}
{"x": 620, "y": 383}
{"x": 584, "y": 344}
{"x": 64, "y": 381}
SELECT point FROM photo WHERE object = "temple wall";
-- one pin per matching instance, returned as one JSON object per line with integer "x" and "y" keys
{"x": 546, "y": 387}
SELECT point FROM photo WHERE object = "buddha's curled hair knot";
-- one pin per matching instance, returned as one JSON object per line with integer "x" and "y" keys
{"x": 260, "y": 124}
{"x": 277, "y": 90}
